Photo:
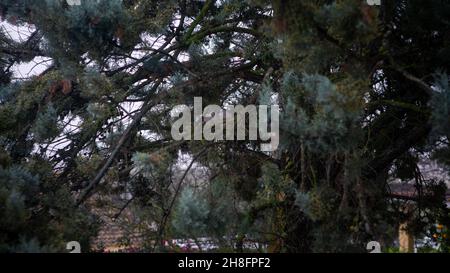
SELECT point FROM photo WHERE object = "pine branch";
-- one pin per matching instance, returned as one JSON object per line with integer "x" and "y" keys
{"x": 136, "y": 120}
{"x": 198, "y": 19}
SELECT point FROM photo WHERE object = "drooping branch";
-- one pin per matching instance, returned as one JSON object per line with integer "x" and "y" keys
{"x": 104, "y": 169}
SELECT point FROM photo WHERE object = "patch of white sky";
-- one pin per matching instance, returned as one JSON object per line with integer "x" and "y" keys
{"x": 23, "y": 71}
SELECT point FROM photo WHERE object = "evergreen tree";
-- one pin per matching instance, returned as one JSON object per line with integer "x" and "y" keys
{"x": 363, "y": 92}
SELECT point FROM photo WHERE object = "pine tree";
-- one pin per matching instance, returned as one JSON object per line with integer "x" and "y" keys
{"x": 363, "y": 92}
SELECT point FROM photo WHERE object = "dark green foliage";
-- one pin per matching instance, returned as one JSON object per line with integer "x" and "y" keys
{"x": 364, "y": 95}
